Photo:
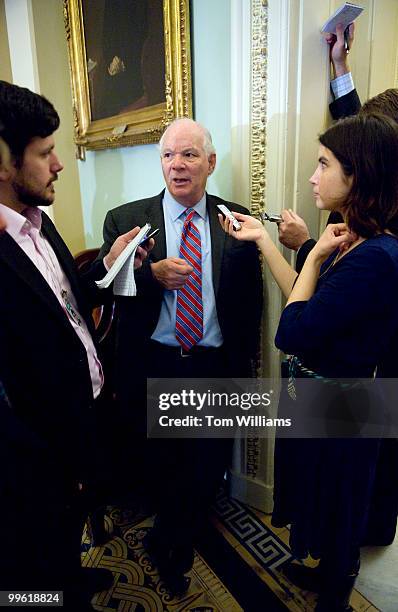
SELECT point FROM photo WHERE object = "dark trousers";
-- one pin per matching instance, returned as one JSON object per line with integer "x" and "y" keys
{"x": 40, "y": 533}
{"x": 186, "y": 473}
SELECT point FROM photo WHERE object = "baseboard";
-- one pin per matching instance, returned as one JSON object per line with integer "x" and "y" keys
{"x": 250, "y": 491}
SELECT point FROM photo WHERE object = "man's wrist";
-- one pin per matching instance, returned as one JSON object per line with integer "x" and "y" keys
{"x": 340, "y": 68}
{"x": 297, "y": 246}
{"x": 304, "y": 243}
{"x": 342, "y": 85}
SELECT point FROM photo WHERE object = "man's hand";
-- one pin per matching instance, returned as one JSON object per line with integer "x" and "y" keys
{"x": 171, "y": 272}
{"x": 2, "y": 224}
{"x": 293, "y": 231}
{"x": 337, "y": 51}
{"x": 120, "y": 244}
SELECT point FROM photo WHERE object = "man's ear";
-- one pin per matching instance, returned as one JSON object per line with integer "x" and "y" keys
{"x": 212, "y": 163}
{"x": 7, "y": 168}
{"x": 6, "y": 171}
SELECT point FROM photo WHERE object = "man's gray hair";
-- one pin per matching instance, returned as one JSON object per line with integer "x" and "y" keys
{"x": 207, "y": 141}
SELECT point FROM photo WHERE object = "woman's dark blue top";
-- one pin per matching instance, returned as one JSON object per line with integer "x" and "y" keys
{"x": 348, "y": 328}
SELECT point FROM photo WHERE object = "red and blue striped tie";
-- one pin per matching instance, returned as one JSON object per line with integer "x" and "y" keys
{"x": 189, "y": 313}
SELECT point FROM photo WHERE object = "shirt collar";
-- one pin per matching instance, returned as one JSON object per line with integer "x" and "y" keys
{"x": 175, "y": 209}
{"x": 19, "y": 224}
{"x": 33, "y": 214}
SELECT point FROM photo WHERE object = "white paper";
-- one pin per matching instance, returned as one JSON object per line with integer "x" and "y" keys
{"x": 124, "y": 283}
{"x": 346, "y": 14}
{"x": 124, "y": 268}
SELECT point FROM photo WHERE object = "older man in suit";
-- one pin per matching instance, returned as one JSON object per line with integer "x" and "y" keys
{"x": 48, "y": 364}
{"x": 183, "y": 324}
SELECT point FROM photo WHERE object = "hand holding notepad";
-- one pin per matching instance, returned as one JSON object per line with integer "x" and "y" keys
{"x": 345, "y": 14}
{"x": 122, "y": 271}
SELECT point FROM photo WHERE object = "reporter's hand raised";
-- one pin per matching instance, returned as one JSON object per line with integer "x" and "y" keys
{"x": 337, "y": 51}
{"x": 292, "y": 230}
{"x": 252, "y": 229}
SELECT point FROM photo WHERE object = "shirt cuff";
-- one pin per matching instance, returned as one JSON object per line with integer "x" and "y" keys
{"x": 342, "y": 85}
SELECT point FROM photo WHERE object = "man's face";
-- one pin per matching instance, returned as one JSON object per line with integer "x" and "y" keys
{"x": 185, "y": 164}
{"x": 33, "y": 181}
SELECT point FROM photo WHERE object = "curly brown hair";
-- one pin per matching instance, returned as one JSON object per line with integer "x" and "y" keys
{"x": 385, "y": 103}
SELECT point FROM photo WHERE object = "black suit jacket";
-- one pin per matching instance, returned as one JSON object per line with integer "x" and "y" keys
{"x": 345, "y": 106}
{"x": 43, "y": 364}
{"x": 342, "y": 107}
{"x": 237, "y": 282}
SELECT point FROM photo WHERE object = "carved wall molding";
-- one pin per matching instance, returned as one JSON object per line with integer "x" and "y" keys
{"x": 259, "y": 10}
{"x": 257, "y": 168}
{"x": 250, "y": 478}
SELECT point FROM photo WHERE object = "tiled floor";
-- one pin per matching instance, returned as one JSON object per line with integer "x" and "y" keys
{"x": 262, "y": 547}
{"x": 137, "y": 585}
{"x": 265, "y": 549}
{"x": 378, "y": 579}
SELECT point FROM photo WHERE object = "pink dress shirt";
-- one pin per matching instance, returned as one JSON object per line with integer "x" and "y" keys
{"x": 25, "y": 230}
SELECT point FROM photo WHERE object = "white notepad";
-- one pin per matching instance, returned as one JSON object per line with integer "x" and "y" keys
{"x": 345, "y": 15}
{"x": 122, "y": 271}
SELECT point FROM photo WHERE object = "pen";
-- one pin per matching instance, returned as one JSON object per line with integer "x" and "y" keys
{"x": 346, "y": 35}
{"x": 273, "y": 218}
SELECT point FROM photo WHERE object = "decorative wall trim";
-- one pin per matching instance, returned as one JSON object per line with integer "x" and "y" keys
{"x": 258, "y": 118}
{"x": 251, "y": 476}
{"x": 257, "y": 170}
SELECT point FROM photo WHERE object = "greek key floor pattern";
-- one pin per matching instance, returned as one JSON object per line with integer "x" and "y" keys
{"x": 266, "y": 548}
{"x": 137, "y": 586}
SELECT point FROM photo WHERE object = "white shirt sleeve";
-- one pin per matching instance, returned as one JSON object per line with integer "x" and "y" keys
{"x": 342, "y": 85}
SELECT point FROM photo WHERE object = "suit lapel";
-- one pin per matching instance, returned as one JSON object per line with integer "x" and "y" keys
{"x": 13, "y": 256}
{"x": 154, "y": 212}
{"x": 217, "y": 242}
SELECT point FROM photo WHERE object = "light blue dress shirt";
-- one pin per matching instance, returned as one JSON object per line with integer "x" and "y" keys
{"x": 173, "y": 213}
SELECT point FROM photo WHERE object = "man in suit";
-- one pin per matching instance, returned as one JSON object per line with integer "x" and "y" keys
{"x": 48, "y": 364}
{"x": 226, "y": 287}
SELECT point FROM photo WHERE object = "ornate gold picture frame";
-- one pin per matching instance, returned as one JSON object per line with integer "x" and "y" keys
{"x": 130, "y": 67}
